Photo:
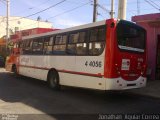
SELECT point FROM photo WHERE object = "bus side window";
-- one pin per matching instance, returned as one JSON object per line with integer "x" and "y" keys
{"x": 28, "y": 47}
{"x": 93, "y": 34}
{"x": 20, "y": 47}
{"x": 23, "y": 47}
{"x": 96, "y": 48}
{"x": 20, "y": 44}
{"x": 48, "y": 45}
{"x": 97, "y": 41}
{"x": 59, "y": 47}
{"x": 71, "y": 47}
{"x": 77, "y": 44}
{"x": 101, "y": 34}
{"x": 81, "y": 46}
{"x": 37, "y": 47}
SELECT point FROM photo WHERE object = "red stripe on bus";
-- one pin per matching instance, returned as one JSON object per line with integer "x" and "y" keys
{"x": 65, "y": 71}
{"x": 34, "y": 67}
{"x": 81, "y": 73}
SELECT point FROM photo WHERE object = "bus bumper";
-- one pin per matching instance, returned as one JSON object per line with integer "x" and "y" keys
{"x": 121, "y": 84}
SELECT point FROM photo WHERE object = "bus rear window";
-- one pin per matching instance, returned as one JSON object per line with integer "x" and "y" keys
{"x": 130, "y": 36}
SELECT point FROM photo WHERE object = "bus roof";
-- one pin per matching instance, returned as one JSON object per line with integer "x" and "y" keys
{"x": 67, "y": 30}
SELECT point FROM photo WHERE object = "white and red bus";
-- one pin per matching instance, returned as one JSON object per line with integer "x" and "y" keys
{"x": 105, "y": 55}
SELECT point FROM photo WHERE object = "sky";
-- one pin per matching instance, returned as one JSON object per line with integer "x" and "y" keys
{"x": 73, "y": 12}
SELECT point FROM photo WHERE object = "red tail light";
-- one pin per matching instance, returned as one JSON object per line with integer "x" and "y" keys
{"x": 117, "y": 69}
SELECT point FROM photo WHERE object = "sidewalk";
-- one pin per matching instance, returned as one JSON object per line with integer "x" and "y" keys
{"x": 151, "y": 90}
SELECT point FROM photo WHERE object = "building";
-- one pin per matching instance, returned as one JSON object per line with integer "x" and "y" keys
{"x": 28, "y": 32}
{"x": 151, "y": 22}
{"x": 19, "y": 23}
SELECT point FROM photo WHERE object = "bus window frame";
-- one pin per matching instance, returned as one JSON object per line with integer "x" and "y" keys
{"x": 44, "y": 37}
{"x": 57, "y": 53}
{"x": 98, "y": 41}
{"x": 78, "y": 42}
{"x": 41, "y": 51}
{"x": 86, "y": 41}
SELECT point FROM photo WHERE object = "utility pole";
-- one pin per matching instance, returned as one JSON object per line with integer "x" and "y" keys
{"x": 112, "y": 9}
{"x": 138, "y": 7}
{"x": 7, "y": 23}
{"x": 122, "y": 9}
{"x": 95, "y": 11}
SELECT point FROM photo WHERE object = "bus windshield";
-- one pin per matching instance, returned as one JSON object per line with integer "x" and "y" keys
{"x": 130, "y": 36}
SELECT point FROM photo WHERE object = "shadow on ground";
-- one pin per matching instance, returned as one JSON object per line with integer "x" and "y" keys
{"x": 36, "y": 94}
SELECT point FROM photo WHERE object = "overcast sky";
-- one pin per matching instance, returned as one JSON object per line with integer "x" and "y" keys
{"x": 73, "y": 12}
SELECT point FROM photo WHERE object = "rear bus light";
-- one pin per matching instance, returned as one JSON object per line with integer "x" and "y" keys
{"x": 117, "y": 69}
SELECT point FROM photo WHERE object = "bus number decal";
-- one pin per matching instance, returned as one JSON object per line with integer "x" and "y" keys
{"x": 93, "y": 63}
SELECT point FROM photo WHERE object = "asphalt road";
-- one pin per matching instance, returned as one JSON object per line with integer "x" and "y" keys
{"x": 32, "y": 99}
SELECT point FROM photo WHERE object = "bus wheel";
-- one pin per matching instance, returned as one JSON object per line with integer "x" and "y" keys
{"x": 53, "y": 80}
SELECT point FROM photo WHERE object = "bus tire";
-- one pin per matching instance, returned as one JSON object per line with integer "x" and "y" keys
{"x": 53, "y": 80}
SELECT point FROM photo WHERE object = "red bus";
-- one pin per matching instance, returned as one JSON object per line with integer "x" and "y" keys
{"x": 105, "y": 55}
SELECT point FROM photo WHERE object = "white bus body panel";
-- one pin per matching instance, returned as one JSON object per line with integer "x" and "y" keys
{"x": 38, "y": 67}
{"x": 82, "y": 81}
